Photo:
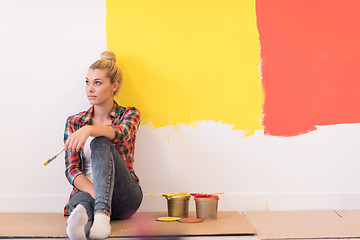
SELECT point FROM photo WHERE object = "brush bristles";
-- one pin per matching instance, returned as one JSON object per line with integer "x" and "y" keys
{"x": 50, "y": 160}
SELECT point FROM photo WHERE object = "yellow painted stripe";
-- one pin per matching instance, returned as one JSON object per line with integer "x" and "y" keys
{"x": 186, "y": 61}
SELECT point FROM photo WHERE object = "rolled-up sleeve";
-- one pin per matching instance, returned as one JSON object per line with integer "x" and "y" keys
{"x": 72, "y": 159}
{"x": 127, "y": 127}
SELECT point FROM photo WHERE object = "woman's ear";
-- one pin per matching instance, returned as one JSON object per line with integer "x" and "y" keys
{"x": 115, "y": 86}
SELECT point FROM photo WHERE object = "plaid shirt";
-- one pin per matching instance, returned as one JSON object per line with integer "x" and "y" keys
{"x": 125, "y": 122}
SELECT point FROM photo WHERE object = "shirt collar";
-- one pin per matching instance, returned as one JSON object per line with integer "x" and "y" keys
{"x": 114, "y": 111}
{"x": 88, "y": 115}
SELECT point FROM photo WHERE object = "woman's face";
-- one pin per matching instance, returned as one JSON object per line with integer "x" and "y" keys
{"x": 99, "y": 89}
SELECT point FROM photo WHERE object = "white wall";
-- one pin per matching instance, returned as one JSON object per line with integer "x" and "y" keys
{"x": 46, "y": 48}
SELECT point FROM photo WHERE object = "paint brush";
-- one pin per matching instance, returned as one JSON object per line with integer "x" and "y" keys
{"x": 54, "y": 157}
{"x": 215, "y": 193}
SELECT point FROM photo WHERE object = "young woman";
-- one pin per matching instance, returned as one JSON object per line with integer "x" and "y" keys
{"x": 99, "y": 145}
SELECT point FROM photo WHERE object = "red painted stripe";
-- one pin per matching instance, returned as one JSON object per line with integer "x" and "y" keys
{"x": 311, "y": 57}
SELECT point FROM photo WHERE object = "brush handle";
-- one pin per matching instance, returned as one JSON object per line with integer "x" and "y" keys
{"x": 215, "y": 193}
{"x": 63, "y": 149}
{"x": 53, "y": 158}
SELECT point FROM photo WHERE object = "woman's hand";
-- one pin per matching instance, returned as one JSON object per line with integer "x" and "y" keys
{"x": 77, "y": 139}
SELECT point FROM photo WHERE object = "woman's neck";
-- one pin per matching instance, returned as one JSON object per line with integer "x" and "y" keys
{"x": 103, "y": 111}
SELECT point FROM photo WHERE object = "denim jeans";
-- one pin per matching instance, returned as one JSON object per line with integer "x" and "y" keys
{"x": 117, "y": 193}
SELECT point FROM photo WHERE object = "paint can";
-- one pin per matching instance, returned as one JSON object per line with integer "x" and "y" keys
{"x": 206, "y": 206}
{"x": 178, "y": 205}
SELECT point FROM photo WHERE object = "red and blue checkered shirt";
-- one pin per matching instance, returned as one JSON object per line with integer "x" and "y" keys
{"x": 125, "y": 122}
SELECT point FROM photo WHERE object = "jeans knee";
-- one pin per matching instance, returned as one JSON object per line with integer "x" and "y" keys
{"x": 101, "y": 150}
{"x": 100, "y": 142}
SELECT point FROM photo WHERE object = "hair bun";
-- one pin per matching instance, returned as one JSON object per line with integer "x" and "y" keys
{"x": 108, "y": 55}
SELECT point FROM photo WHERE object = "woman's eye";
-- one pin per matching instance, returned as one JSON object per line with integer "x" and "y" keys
{"x": 97, "y": 82}
{"x": 87, "y": 82}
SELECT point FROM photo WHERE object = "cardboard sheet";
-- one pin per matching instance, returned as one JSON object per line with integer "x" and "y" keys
{"x": 302, "y": 224}
{"x": 32, "y": 225}
{"x": 351, "y": 217}
{"x": 141, "y": 224}
{"x": 145, "y": 224}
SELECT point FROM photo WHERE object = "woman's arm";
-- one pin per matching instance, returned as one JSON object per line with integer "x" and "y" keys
{"x": 82, "y": 183}
{"x": 118, "y": 133}
{"x": 126, "y": 129}
{"x": 72, "y": 159}
{"x": 72, "y": 146}
{"x": 78, "y": 138}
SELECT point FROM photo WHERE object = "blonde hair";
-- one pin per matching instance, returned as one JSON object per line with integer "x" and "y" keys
{"x": 108, "y": 63}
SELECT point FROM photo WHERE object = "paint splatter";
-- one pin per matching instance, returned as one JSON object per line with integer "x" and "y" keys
{"x": 310, "y": 55}
{"x": 187, "y": 61}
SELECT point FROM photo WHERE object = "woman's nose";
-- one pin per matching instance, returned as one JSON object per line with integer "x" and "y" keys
{"x": 91, "y": 88}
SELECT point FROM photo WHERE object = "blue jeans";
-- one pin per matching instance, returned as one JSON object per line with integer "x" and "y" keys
{"x": 117, "y": 193}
